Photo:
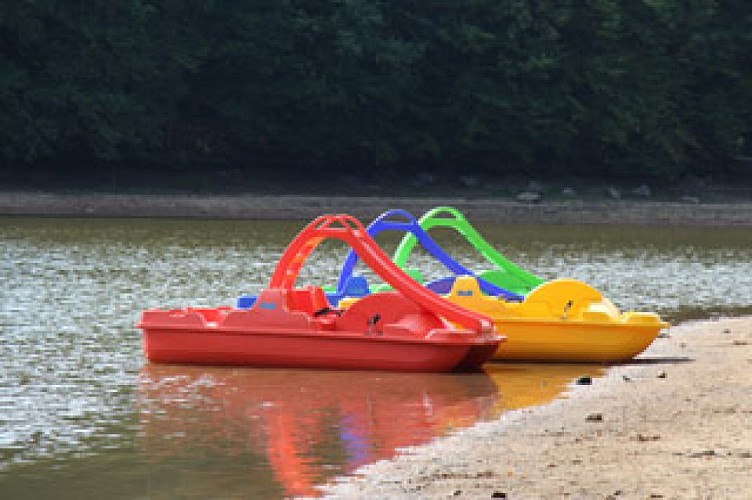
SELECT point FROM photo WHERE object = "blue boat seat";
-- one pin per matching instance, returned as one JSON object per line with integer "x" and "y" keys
{"x": 355, "y": 286}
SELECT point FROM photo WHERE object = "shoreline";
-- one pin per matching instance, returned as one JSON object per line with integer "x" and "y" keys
{"x": 676, "y": 423}
{"x": 304, "y": 207}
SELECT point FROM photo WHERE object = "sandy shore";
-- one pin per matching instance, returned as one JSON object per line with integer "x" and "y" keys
{"x": 677, "y": 423}
{"x": 250, "y": 206}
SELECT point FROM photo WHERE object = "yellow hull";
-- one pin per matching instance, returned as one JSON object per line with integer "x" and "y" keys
{"x": 562, "y": 320}
{"x": 531, "y": 340}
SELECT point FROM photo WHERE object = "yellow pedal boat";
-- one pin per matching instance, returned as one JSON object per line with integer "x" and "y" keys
{"x": 561, "y": 320}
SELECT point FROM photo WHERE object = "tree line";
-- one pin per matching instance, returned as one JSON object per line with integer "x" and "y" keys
{"x": 658, "y": 88}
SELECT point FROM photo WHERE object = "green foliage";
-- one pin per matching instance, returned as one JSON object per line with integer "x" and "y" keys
{"x": 77, "y": 81}
{"x": 656, "y": 88}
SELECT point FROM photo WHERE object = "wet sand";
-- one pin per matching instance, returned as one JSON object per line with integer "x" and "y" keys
{"x": 676, "y": 423}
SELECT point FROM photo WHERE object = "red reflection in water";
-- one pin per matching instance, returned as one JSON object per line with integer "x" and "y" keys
{"x": 309, "y": 424}
{"x": 312, "y": 425}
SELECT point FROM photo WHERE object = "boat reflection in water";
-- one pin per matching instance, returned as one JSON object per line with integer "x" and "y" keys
{"x": 522, "y": 385}
{"x": 296, "y": 429}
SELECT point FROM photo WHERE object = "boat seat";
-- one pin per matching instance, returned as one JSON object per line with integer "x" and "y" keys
{"x": 442, "y": 286}
{"x": 355, "y": 286}
{"x": 309, "y": 299}
{"x": 245, "y": 301}
{"x": 271, "y": 309}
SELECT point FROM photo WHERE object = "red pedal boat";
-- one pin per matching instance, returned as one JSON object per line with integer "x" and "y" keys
{"x": 410, "y": 329}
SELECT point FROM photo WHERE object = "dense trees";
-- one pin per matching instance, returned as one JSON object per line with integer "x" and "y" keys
{"x": 649, "y": 87}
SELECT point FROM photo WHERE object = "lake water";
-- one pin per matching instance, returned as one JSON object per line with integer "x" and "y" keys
{"x": 82, "y": 414}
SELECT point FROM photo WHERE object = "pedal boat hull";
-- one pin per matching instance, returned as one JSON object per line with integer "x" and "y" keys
{"x": 239, "y": 338}
{"x": 562, "y": 320}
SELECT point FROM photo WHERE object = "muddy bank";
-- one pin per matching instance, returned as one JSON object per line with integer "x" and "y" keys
{"x": 677, "y": 423}
{"x": 306, "y": 207}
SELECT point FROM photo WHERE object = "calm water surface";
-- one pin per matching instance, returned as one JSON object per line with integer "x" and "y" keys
{"x": 82, "y": 415}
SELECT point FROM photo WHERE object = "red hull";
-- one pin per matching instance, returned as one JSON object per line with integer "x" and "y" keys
{"x": 318, "y": 350}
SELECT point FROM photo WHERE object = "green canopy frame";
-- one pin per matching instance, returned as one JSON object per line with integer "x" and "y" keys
{"x": 505, "y": 273}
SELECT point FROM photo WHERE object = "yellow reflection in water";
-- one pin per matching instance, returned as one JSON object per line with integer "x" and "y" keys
{"x": 522, "y": 385}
